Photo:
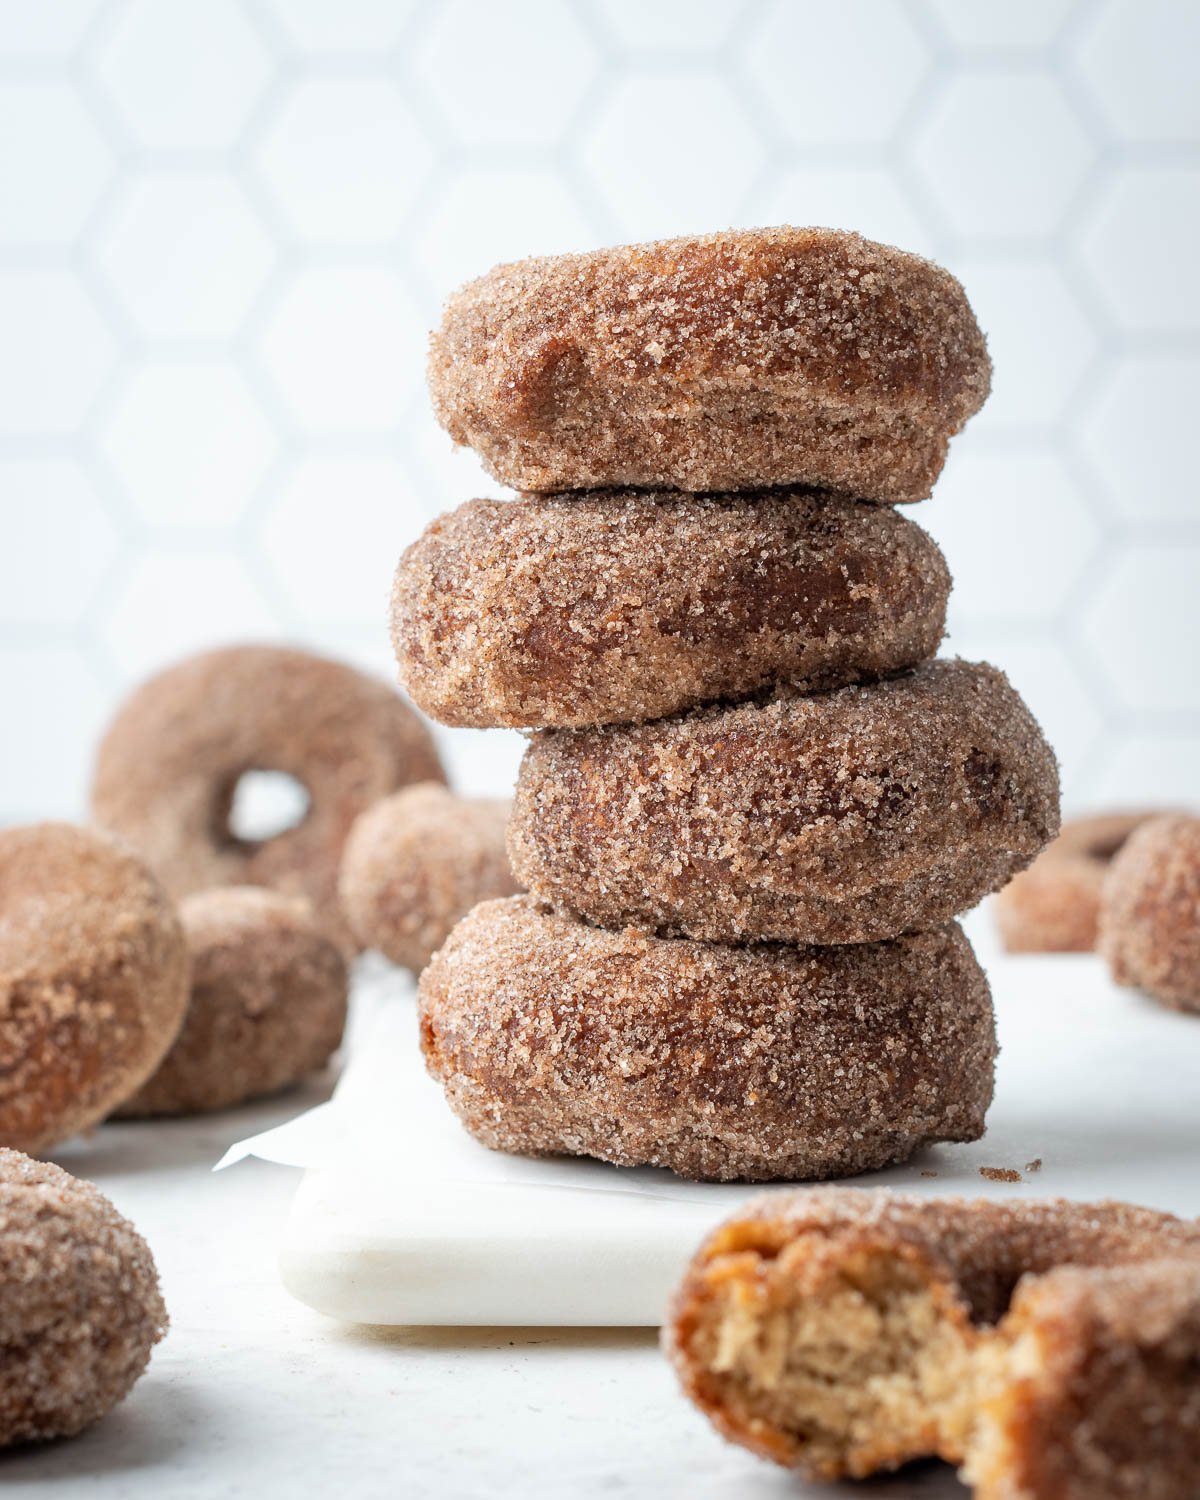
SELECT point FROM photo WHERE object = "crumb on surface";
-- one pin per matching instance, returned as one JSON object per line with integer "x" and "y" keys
{"x": 1000, "y": 1174}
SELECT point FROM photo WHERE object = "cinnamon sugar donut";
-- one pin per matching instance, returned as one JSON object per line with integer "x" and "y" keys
{"x": 418, "y": 861}
{"x": 267, "y": 1004}
{"x": 93, "y": 980}
{"x": 552, "y": 1037}
{"x": 171, "y": 760}
{"x": 840, "y": 817}
{"x": 80, "y": 1307}
{"x": 1051, "y": 1347}
{"x": 569, "y": 610}
{"x": 1053, "y": 906}
{"x": 724, "y": 361}
{"x": 1150, "y": 911}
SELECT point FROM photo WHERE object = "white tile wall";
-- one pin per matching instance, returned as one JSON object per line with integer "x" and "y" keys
{"x": 226, "y": 225}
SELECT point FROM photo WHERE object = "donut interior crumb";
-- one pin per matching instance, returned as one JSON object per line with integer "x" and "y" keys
{"x": 1048, "y": 1348}
{"x": 1000, "y": 1174}
{"x": 860, "y": 1365}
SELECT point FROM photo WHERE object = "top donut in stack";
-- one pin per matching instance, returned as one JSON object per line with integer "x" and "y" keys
{"x": 708, "y": 607}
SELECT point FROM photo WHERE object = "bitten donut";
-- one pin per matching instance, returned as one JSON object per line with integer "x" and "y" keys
{"x": 93, "y": 980}
{"x": 1054, "y": 905}
{"x": 1150, "y": 912}
{"x": 552, "y": 1037}
{"x": 80, "y": 1308}
{"x": 418, "y": 861}
{"x": 839, "y": 817}
{"x": 715, "y": 362}
{"x": 267, "y": 1004}
{"x": 170, "y": 763}
{"x": 1050, "y": 1347}
{"x": 570, "y": 610}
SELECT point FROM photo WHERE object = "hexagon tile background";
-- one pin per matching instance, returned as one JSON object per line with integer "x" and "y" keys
{"x": 226, "y": 225}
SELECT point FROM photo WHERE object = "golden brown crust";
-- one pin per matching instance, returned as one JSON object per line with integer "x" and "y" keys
{"x": 842, "y": 817}
{"x": 1054, "y": 905}
{"x": 168, "y": 766}
{"x": 929, "y": 1305}
{"x": 418, "y": 861}
{"x": 267, "y": 1004}
{"x": 552, "y": 1037}
{"x": 726, "y": 361}
{"x": 570, "y": 610}
{"x": 80, "y": 1307}
{"x": 93, "y": 980}
{"x": 1150, "y": 912}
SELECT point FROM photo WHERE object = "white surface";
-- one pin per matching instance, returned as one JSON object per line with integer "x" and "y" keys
{"x": 404, "y": 1219}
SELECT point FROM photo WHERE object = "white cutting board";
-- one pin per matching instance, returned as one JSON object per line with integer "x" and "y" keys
{"x": 402, "y": 1219}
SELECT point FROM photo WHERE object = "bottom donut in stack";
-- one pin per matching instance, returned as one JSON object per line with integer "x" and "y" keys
{"x": 551, "y": 1036}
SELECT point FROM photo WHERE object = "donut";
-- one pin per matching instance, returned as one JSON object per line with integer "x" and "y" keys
{"x": 93, "y": 980}
{"x": 1053, "y": 906}
{"x": 418, "y": 861}
{"x": 1149, "y": 927}
{"x": 841, "y": 817}
{"x": 80, "y": 1308}
{"x": 728, "y": 361}
{"x": 267, "y": 1005}
{"x": 572, "y": 610}
{"x": 1051, "y": 1347}
{"x": 552, "y": 1037}
{"x": 169, "y": 765}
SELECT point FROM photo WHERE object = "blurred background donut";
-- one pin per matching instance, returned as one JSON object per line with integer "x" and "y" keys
{"x": 1149, "y": 922}
{"x": 416, "y": 862}
{"x": 267, "y": 1004}
{"x": 169, "y": 767}
{"x": 1054, "y": 905}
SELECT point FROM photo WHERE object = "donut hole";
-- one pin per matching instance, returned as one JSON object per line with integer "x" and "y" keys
{"x": 867, "y": 1364}
{"x": 263, "y": 804}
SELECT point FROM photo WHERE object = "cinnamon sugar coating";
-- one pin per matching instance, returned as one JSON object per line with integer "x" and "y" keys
{"x": 1149, "y": 928}
{"x": 167, "y": 768}
{"x": 1054, "y": 905}
{"x": 1048, "y": 1346}
{"x": 840, "y": 817}
{"x": 726, "y": 361}
{"x": 93, "y": 980}
{"x": 418, "y": 861}
{"x": 267, "y": 1004}
{"x": 552, "y": 1037}
{"x": 80, "y": 1308}
{"x": 570, "y": 610}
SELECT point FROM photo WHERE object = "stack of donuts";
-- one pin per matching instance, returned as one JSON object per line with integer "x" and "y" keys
{"x": 752, "y": 803}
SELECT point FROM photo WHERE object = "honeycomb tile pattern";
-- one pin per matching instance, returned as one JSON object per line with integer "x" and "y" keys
{"x": 228, "y": 224}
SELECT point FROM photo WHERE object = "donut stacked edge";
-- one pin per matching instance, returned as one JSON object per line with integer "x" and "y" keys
{"x": 752, "y": 804}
